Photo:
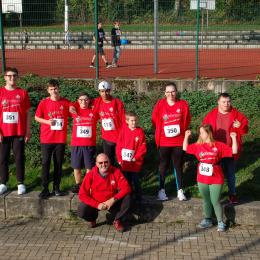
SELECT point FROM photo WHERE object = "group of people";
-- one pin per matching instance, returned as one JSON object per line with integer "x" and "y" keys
{"x": 105, "y": 186}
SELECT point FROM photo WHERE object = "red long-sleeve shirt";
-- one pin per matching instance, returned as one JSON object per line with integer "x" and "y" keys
{"x": 131, "y": 144}
{"x": 96, "y": 189}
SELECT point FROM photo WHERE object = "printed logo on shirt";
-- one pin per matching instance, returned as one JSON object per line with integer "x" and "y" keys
{"x": 4, "y": 103}
{"x": 215, "y": 149}
{"x": 102, "y": 113}
{"x": 165, "y": 117}
{"x": 111, "y": 109}
{"x": 61, "y": 107}
{"x": 78, "y": 119}
{"x": 91, "y": 115}
{"x": 137, "y": 139}
{"x": 113, "y": 182}
{"x": 178, "y": 110}
{"x": 17, "y": 97}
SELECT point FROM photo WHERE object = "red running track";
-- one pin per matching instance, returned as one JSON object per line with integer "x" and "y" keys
{"x": 238, "y": 64}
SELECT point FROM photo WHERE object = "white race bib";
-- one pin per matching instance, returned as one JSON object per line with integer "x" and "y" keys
{"x": 84, "y": 131}
{"x": 172, "y": 130}
{"x": 127, "y": 154}
{"x": 108, "y": 124}
{"x": 59, "y": 123}
{"x": 206, "y": 169}
{"x": 10, "y": 117}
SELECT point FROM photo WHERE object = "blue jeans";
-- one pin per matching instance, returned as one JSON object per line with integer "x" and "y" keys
{"x": 229, "y": 169}
{"x": 116, "y": 55}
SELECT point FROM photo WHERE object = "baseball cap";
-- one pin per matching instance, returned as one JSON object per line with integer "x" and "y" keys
{"x": 104, "y": 85}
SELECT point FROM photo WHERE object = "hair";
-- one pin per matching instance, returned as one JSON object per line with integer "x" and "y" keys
{"x": 14, "y": 70}
{"x": 83, "y": 94}
{"x": 129, "y": 114}
{"x": 53, "y": 83}
{"x": 224, "y": 95}
{"x": 208, "y": 129}
{"x": 172, "y": 84}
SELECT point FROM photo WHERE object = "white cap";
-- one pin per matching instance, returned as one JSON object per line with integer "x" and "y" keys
{"x": 104, "y": 85}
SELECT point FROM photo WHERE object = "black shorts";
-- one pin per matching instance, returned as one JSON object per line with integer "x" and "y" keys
{"x": 101, "y": 50}
{"x": 83, "y": 157}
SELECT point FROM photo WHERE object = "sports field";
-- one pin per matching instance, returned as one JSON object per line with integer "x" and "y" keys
{"x": 238, "y": 64}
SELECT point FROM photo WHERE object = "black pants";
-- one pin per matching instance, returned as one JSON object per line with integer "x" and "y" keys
{"x": 57, "y": 151}
{"x": 109, "y": 149}
{"x": 166, "y": 155}
{"x": 16, "y": 143}
{"x": 133, "y": 179}
{"x": 119, "y": 209}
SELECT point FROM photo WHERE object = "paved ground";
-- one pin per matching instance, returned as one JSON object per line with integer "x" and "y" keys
{"x": 72, "y": 239}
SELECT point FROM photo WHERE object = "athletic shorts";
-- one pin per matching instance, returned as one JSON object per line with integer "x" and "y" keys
{"x": 83, "y": 157}
{"x": 101, "y": 50}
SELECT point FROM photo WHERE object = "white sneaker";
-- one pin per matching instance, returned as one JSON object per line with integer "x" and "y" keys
{"x": 162, "y": 195}
{"x": 181, "y": 195}
{"x": 3, "y": 189}
{"x": 21, "y": 189}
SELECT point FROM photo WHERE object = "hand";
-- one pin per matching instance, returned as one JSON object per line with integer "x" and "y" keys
{"x": 72, "y": 110}
{"x": 233, "y": 135}
{"x": 188, "y": 133}
{"x": 52, "y": 122}
{"x": 109, "y": 203}
{"x": 102, "y": 206}
{"x": 27, "y": 137}
{"x": 236, "y": 124}
{"x": 1, "y": 138}
{"x": 133, "y": 160}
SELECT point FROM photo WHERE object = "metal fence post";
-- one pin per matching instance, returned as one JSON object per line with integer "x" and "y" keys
{"x": 155, "y": 65}
{"x": 96, "y": 39}
{"x": 197, "y": 42}
{"x": 2, "y": 41}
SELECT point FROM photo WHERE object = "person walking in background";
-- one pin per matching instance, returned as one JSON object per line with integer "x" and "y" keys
{"x": 104, "y": 188}
{"x": 83, "y": 138}
{"x": 111, "y": 112}
{"x": 130, "y": 151}
{"x": 209, "y": 175}
{"x": 116, "y": 43}
{"x": 52, "y": 113}
{"x": 225, "y": 119}
{"x": 15, "y": 124}
{"x": 67, "y": 39}
{"x": 171, "y": 118}
{"x": 24, "y": 39}
{"x": 101, "y": 38}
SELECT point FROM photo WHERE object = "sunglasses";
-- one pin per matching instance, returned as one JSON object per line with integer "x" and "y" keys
{"x": 104, "y": 162}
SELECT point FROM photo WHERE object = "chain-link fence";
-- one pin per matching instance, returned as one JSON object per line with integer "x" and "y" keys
{"x": 221, "y": 39}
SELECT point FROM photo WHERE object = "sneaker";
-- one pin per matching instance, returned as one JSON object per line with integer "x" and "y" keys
{"x": 45, "y": 194}
{"x": 108, "y": 66}
{"x": 114, "y": 65}
{"x": 3, "y": 189}
{"x": 118, "y": 225}
{"x": 205, "y": 223}
{"x": 75, "y": 189}
{"x": 181, "y": 195}
{"x": 221, "y": 226}
{"x": 21, "y": 189}
{"x": 92, "y": 66}
{"x": 233, "y": 199}
{"x": 92, "y": 224}
{"x": 58, "y": 192}
{"x": 162, "y": 195}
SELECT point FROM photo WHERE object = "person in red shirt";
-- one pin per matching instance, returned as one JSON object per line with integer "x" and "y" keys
{"x": 111, "y": 112}
{"x": 15, "y": 122}
{"x": 209, "y": 174}
{"x": 83, "y": 139}
{"x": 104, "y": 188}
{"x": 52, "y": 113}
{"x": 226, "y": 119}
{"x": 130, "y": 152}
{"x": 171, "y": 118}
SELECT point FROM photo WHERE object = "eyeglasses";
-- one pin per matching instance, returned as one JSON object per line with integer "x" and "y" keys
{"x": 83, "y": 99}
{"x": 11, "y": 76}
{"x": 104, "y": 162}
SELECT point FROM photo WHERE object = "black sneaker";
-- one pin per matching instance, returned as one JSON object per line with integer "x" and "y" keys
{"x": 75, "y": 189}
{"x": 45, "y": 194}
{"x": 58, "y": 192}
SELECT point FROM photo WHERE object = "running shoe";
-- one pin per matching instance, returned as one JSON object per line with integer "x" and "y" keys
{"x": 221, "y": 226}
{"x": 181, "y": 195}
{"x": 205, "y": 223}
{"x": 114, "y": 65}
{"x": 92, "y": 224}
{"x": 233, "y": 199}
{"x": 92, "y": 66}
{"x": 162, "y": 195}
{"x": 45, "y": 194}
{"x": 58, "y": 192}
{"x": 108, "y": 66}
{"x": 75, "y": 188}
{"x": 21, "y": 189}
{"x": 118, "y": 225}
{"x": 3, "y": 189}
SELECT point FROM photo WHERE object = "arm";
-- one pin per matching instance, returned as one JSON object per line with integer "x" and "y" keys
{"x": 28, "y": 127}
{"x": 234, "y": 142}
{"x": 141, "y": 149}
{"x": 186, "y": 140}
{"x": 187, "y": 117}
{"x": 119, "y": 148}
{"x": 44, "y": 121}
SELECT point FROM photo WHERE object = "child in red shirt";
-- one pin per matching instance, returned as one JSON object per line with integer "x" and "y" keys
{"x": 130, "y": 152}
{"x": 210, "y": 175}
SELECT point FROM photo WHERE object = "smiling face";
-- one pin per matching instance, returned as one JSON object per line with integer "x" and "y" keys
{"x": 105, "y": 94}
{"x": 10, "y": 78}
{"x": 53, "y": 92}
{"x": 170, "y": 93}
{"x": 131, "y": 122}
{"x": 224, "y": 104}
{"x": 83, "y": 101}
{"x": 103, "y": 163}
{"x": 203, "y": 135}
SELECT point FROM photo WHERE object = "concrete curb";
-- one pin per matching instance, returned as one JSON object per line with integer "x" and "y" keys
{"x": 152, "y": 210}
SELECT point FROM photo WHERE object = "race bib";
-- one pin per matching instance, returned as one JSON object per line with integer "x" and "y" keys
{"x": 206, "y": 169}
{"x": 172, "y": 130}
{"x": 127, "y": 155}
{"x": 10, "y": 117}
{"x": 108, "y": 124}
{"x": 59, "y": 123}
{"x": 84, "y": 131}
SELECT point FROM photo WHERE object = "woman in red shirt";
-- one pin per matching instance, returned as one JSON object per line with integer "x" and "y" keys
{"x": 209, "y": 174}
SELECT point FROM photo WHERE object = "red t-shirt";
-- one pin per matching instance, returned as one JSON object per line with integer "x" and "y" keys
{"x": 112, "y": 116}
{"x": 84, "y": 128}
{"x": 172, "y": 131}
{"x": 14, "y": 105}
{"x": 131, "y": 144}
{"x": 209, "y": 156}
{"x": 222, "y": 128}
{"x": 58, "y": 110}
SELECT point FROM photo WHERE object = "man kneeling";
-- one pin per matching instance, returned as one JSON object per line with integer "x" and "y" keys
{"x": 104, "y": 188}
